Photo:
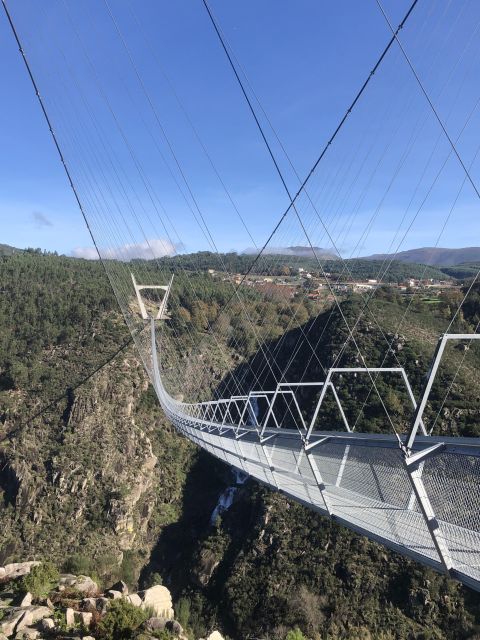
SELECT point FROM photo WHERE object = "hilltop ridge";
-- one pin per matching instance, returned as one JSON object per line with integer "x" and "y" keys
{"x": 432, "y": 256}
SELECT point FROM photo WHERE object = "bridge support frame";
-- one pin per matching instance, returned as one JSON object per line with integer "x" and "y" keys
{"x": 437, "y": 357}
{"x": 328, "y": 382}
{"x": 414, "y": 471}
{"x": 319, "y": 480}
{"x": 161, "y": 314}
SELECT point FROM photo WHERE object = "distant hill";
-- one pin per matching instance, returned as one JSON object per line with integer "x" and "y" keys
{"x": 434, "y": 256}
{"x": 7, "y": 250}
{"x": 300, "y": 251}
{"x": 462, "y": 271}
{"x": 275, "y": 264}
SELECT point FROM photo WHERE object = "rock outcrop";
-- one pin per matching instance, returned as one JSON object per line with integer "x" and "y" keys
{"x": 74, "y": 606}
{"x": 159, "y": 599}
{"x": 17, "y": 569}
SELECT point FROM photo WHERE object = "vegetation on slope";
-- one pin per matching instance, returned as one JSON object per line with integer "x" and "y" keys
{"x": 355, "y": 268}
{"x": 101, "y": 483}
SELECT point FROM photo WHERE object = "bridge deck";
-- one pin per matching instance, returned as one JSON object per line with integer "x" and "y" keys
{"x": 366, "y": 487}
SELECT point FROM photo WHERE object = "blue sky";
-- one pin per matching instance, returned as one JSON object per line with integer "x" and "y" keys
{"x": 305, "y": 60}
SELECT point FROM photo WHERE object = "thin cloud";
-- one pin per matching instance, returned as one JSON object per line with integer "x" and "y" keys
{"x": 148, "y": 250}
{"x": 40, "y": 220}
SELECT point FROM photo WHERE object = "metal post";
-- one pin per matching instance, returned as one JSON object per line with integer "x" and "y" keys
{"x": 319, "y": 404}
{"x": 414, "y": 472}
{"x": 342, "y": 413}
{"x": 270, "y": 410}
{"x": 319, "y": 480}
{"x": 437, "y": 356}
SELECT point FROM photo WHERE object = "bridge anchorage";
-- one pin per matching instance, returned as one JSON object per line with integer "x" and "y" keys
{"x": 417, "y": 494}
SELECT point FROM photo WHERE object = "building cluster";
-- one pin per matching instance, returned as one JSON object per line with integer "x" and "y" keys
{"x": 319, "y": 286}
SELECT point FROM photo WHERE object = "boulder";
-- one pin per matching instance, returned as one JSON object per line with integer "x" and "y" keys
{"x": 160, "y": 600}
{"x": 26, "y": 601}
{"x": 113, "y": 595}
{"x": 215, "y": 635}
{"x": 70, "y": 617}
{"x": 174, "y": 627}
{"x": 9, "y": 624}
{"x": 7, "y": 600}
{"x": 28, "y": 634}
{"x": 101, "y": 604}
{"x": 67, "y": 580}
{"x": 17, "y": 569}
{"x": 88, "y": 638}
{"x": 120, "y": 586}
{"x": 83, "y": 618}
{"x": 47, "y": 624}
{"x": 85, "y": 584}
{"x": 155, "y": 624}
{"x": 31, "y": 616}
{"x": 134, "y": 599}
{"x": 89, "y": 604}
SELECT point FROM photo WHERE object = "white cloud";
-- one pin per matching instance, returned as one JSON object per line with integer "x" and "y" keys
{"x": 148, "y": 250}
{"x": 89, "y": 253}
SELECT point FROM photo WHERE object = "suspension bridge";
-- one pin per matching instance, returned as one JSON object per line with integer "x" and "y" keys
{"x": 415, "y": 491}
{"x": 418, "y": 495}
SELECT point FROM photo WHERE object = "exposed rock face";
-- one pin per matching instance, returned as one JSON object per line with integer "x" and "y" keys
{"x": 208, "y": 562}
{"x": 47, "y": 624}
{"x": 31, "y": 616}
{"x": 160, "y": 599}
{"x": 85, "y": 584}
{"x": 95, "y": 471}
{"x": 84, "y": 618}
{"x": 134, "y": 599}
{"x": 155, "y": 624}
{"x": 17, "y": 569}
{"x": 70, "y": 617}
{"x": 26, "y": 601}
{"x": 34, "y": 621}
{"x": 10, "y": 622}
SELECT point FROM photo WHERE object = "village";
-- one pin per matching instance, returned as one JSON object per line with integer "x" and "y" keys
{"x": 319, "y": 286}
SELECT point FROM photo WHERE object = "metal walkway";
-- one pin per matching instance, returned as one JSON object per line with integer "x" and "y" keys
{"x": 418, "y": 495}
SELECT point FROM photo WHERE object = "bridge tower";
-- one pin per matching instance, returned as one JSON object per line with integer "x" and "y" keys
{"x": 162, "y": 310}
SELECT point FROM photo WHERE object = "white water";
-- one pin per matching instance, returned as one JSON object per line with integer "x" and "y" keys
{"x": 225, "y": 500}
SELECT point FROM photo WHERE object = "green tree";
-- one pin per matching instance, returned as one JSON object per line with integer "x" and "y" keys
{"x": 40, "y": 581}
{"x": 295, "y": 634}
{"x": 121, "y": 621}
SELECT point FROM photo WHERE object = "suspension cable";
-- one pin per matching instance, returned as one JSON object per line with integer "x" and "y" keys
{"x": 334, "y": 134}
{"x": 427, "y": 97}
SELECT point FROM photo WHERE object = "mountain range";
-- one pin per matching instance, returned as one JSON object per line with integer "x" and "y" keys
{"x": 433, "y": 256}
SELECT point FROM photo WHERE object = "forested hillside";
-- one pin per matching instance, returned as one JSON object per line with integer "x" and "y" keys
{"x": 93, "y": 478}
{"x": 281, "y": 264}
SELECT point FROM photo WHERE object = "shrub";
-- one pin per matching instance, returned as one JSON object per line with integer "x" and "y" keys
{"x": 129, "y": 567}
{"x": 152, "y": 580}
{"x": 161, "y": 635}
{"x": 295, "y": 634}
{"x": 78, "y": 564}
{"x": 183, "y": 612}
{"x": 121, "y": 621}
{"x": 40, "y": 581}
